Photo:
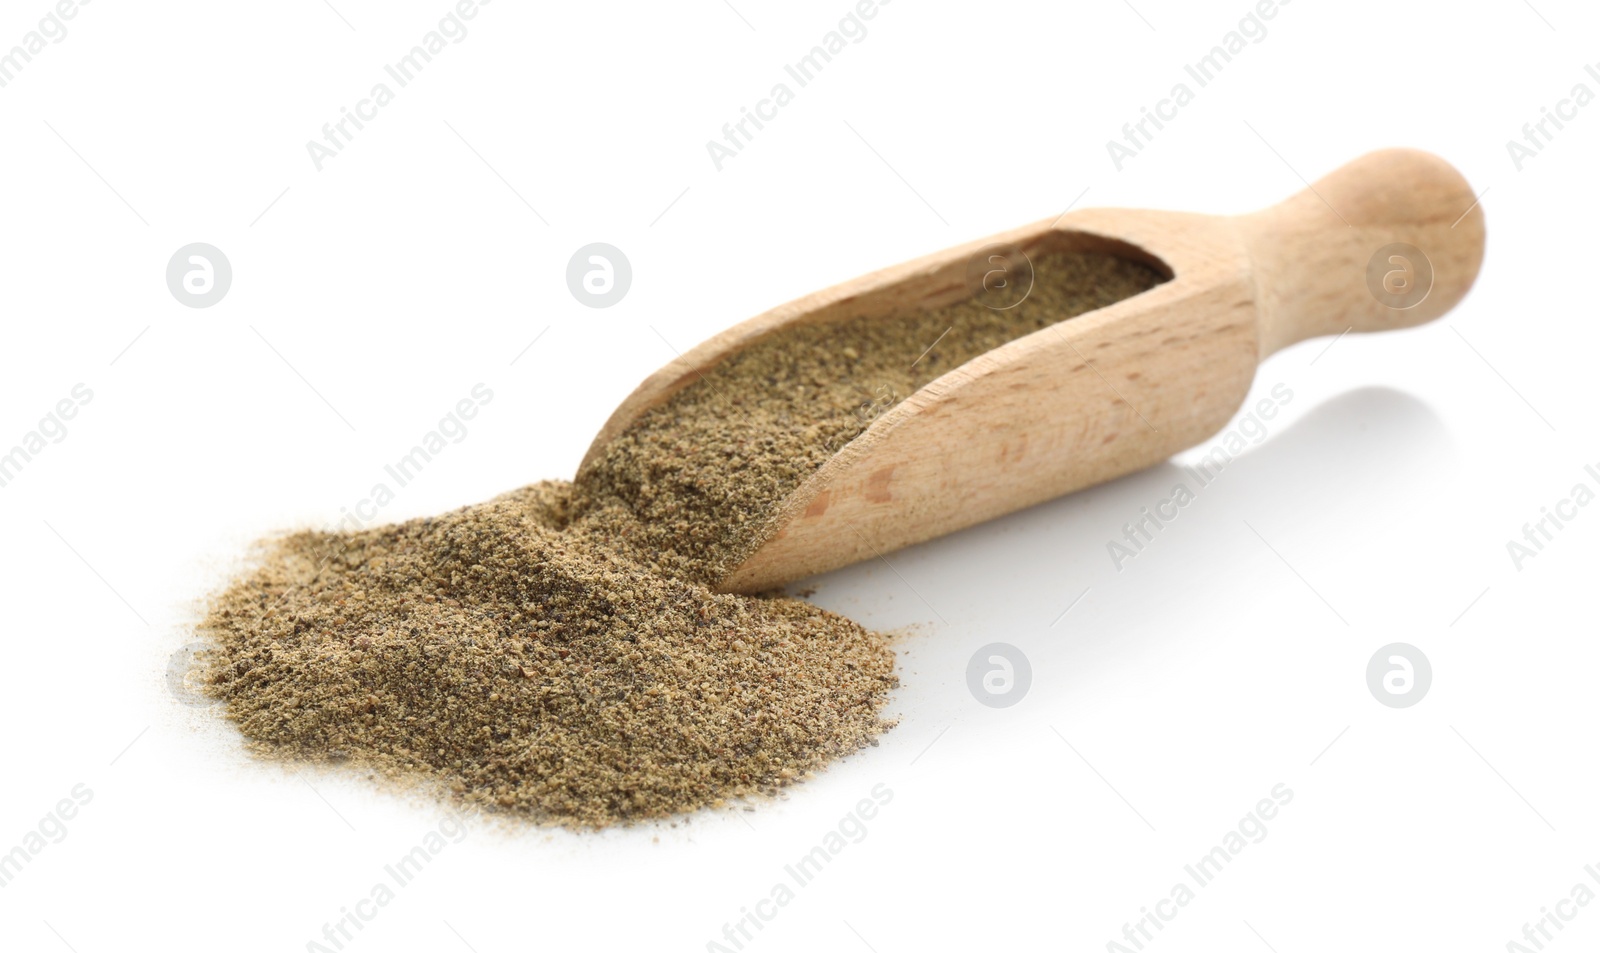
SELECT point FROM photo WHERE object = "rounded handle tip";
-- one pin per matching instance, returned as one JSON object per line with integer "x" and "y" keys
{"x": 1391, "y": 240}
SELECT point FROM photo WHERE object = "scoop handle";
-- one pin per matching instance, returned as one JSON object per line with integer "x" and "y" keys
{"x": 1391, "y": 240}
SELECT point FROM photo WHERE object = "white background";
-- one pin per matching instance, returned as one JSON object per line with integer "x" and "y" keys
{"x": 1170, "y": 699}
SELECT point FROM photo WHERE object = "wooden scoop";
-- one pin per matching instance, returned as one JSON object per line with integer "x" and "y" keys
{"x": 1391, "y": 240}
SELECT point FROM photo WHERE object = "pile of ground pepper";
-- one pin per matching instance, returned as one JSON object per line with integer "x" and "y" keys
{"x": 558, "y": 653}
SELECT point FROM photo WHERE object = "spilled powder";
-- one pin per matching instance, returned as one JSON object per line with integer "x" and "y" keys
{"x": 557, "y": 653}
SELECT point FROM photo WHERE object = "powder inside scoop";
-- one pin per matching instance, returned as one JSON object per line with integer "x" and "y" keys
{"x": 702, "y": 472}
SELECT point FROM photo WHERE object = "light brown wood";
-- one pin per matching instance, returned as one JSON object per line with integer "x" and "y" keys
{"x": 1111, "y": 391}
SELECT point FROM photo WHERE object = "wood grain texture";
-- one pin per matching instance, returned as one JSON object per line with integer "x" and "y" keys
{"x": 1108, "y": 392}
